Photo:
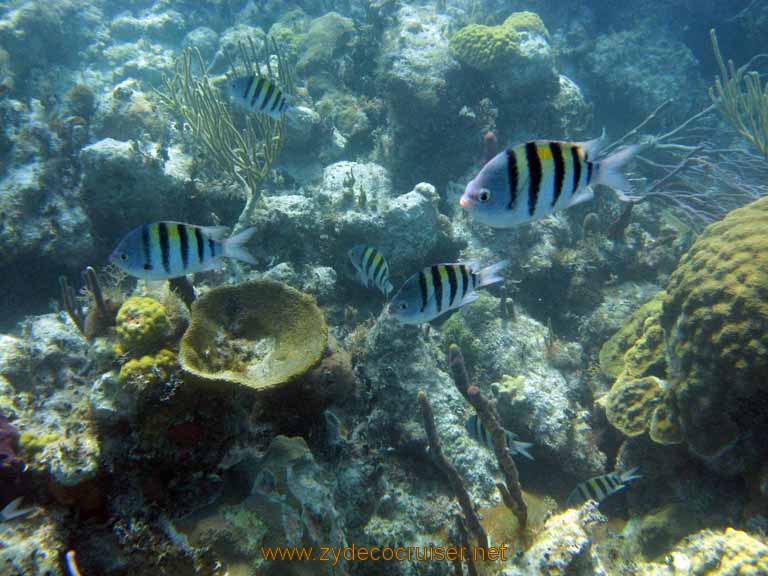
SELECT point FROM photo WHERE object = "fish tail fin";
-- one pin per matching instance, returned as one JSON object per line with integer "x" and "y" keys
{"x": 609, "y": 171}
{"x": 522, "y": 448}
{"x": 388, "y": 289}
{"x": 629, "y": 476}
{"x": 234, "y": 246}
{"x": 592, "y": 147}
{"x": 490, "y": 274}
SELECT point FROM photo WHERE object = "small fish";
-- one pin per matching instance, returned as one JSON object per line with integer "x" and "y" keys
{"x": 164, "y": 250}
{"x": 259, "y": 94}
{"x": 372, "y": 267}
{"x": 440, "y": 288}
{"x": 600, "y": 487}
{"x": 477, "y": 431}
{"x": 12, "y": 510}
{"x": 532, "y": 180}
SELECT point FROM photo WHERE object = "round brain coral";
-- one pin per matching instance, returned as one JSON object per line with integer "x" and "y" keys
{"x": 142, "y": 326}
{"x": 715, "y": 316}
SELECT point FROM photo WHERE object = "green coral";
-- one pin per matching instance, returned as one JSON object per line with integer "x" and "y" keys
{"x": 490, "y": 48}
{"x": 631, "y": 402}
{"x": 715, "y": 315}
{"x": 141, "y": 375}
{"x": 259, "y": 334}
{"x": 33, "y": 443}
{"x": 142, "y": 326}
{"x": 464, "y": 327}
{"x": 637, "y": 348}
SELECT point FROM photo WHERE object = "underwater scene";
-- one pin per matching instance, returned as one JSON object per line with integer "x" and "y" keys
{"x": 383, "y": 288}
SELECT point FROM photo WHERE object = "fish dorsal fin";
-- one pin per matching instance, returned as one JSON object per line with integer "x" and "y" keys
{"x": 218, "y": 233}
{"x": 592, "y": 147}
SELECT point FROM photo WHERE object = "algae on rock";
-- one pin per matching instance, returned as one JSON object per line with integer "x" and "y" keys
{"x": 259, "y": 334}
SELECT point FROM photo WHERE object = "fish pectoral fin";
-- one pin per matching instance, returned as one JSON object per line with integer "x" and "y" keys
{"x": 469, "y": 298}
{"x": 584, "y": 196}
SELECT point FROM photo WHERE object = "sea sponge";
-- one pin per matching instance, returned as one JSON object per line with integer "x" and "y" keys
{"x": 492, "y": 48}
{"x": 142, "y": 326}
{"x": 259, "y": 334}
{"x": 715, "y": 315}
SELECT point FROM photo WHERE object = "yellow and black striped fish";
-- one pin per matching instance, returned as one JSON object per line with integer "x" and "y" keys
{"x": 165, "y": 250}
{"x": 532, "y": 180}
{"x": 258, "y": 93}
{"x": 371, "y": 266}
{"x": 600, "y": 487}
{"x": 476, "y": 430}
{"x": 440, "y": 288}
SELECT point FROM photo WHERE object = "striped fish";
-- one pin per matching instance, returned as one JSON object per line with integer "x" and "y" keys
{"x": 600, "y": 487}
{"x": 532, "y": 180}
{"x": 372, "y": 268}
{"x": 258, "y": 93}
{"x": 164, "y": 250}
{"x": 440, "y": 288}
{"x": 477, "y": 431}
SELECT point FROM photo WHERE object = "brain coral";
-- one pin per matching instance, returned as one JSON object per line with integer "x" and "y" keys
{"x": 715, "y": 316}
{"x": 489, "y": 48}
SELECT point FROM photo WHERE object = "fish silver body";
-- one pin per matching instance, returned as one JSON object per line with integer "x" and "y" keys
{"x": 600, "y": 487}
{"x": 535, "y": 179}
{"x": 372, "y": 268}
{"x": 164, "y": 250}
{"x": 259, "y": 94}
{"x": 440, "y": 288}
{"x": 476, "y": 430}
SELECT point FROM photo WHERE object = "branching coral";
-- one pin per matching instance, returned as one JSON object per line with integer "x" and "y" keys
{"x": 245, "y": 155}
{"x": 740, "y": 98}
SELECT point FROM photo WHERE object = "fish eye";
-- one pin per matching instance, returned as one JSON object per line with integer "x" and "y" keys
{"x": 123, "y": 256}
{"x": 403, "y": 305}
{"x": 484, "y": 195}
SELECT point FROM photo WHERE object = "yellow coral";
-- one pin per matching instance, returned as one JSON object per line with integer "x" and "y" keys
{"x": 716, "y": 318}
{"x": 636, "y": 349}
{"x": 32, "y": 443}
{"x": 141, "y": 374}
{"x": 631, "y": 402}
{"x": 142, "y": 326}
{"x": 489, "y": 48}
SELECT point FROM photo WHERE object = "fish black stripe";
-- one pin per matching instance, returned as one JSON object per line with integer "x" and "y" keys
{"x": 557, "y": 156}
{"x": 584, "y": 491}
{"x": 257, "y": 91}
{"x": 423, "y": 287}
{"x": 614, "y": 481}
{"x": 267, "y": 97}
{"x": 576, "y": 169}
{"x": 212, "y": 247}
{"x": 251, "y": 78}
{"x": 278, "y": 98}
{"x": 589, "y": 172}
{"x": 512, "y": 176}
{"x": 452, "y": 281}
{"x": 592, "y": 489}
{"x": 464, "y": 280}
{"x": 368, "y": 255}
{"x": 534, "y": 175}
{"x": 165, "y": 249}
{"x": 200, "y": 248}
{"x": 604, "y": 485}
{"x": 437, "y": 286}
{"x": 145, "y": 247}
{"x": 377, "y": 268}
{"x": 181, "y": 230}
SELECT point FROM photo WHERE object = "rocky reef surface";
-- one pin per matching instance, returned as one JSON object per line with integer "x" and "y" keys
{"x": 183, "y": 428}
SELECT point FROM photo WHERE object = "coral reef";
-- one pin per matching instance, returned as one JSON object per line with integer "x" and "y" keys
{"x": 260, "y": 334}
{"x": 142, "y": 326}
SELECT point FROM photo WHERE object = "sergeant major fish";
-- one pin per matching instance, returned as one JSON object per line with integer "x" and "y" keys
{"x": 477, "y": 431}
{"x": 532, "y": 180}
{"x": 440, "y": 288}
{"x": 257, "y": 93}
{"x": 372, "y": 267}
{"x": 164, "y": 250}
{"x": 600, "y": 487}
